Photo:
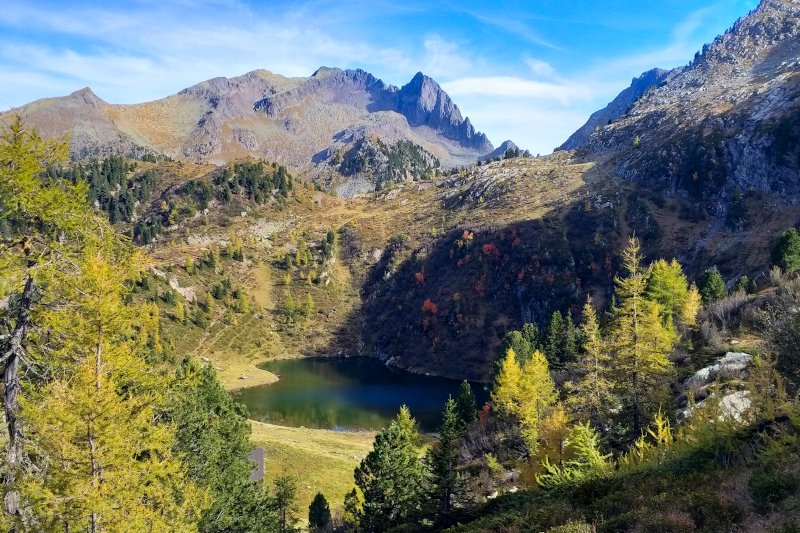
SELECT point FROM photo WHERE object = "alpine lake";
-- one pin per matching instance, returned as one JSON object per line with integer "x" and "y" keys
{"x": 348, "y": 394}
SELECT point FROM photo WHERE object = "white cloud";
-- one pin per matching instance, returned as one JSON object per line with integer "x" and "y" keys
{"x": 540, "y": 68}
{"x": 515, "y": 87}
{"x": 443, "y": 59}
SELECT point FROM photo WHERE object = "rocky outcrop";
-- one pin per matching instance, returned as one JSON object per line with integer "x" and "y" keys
{"x": 719, "y": 383}
{"x": 730, "y": 119}
{"x": 293, "y": 121}
{"x": 616, "y": 108}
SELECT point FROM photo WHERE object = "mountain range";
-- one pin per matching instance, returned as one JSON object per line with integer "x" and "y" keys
{"x": 300, "y": 122}
{"x": 702, "y": 162}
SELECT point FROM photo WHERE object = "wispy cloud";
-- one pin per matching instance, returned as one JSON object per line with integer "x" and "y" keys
{"x": 146, "y": 49}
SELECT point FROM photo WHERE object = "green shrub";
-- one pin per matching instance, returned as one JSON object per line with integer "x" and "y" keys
{"x": 572, "y": 527}
{"x": 769, "y": 486}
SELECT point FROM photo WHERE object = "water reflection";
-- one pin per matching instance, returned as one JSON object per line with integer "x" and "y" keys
{"x": 347, "y": 394}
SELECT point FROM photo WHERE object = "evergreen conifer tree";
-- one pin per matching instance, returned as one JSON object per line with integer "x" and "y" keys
{"x": 391, "y": 477}
{"x": 786, "y": 253}
{"x": 319, "y": 514}
{"x": 443, "y": 458}
{"x": 466, "y": 407}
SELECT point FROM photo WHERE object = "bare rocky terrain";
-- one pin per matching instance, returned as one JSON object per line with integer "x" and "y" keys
{"x": 299, "y": 122}
{"x": 730, "y": 119}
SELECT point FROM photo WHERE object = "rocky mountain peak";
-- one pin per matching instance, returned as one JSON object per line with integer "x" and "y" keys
{"x": 729, "y": 120}
{"x": 424, "y": 103}
{"x": 87, "y": 96}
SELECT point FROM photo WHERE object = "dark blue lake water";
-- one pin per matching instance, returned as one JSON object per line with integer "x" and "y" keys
{"x": 348, "y": 394}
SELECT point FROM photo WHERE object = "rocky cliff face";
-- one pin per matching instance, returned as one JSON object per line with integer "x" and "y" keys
{"x": 731, "y": 119}
{"x": 424, "y": 103}
{"x": 617, "y": 107}
{"x": 297, "y": 122}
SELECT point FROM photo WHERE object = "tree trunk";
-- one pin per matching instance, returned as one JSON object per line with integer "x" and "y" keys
{"x": 13, "y": 354}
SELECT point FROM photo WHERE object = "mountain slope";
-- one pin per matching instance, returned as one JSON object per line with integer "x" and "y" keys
{"x": 617, "y": 107}
{"x": 298, "y": 122}
{"x": 729, "y": 120}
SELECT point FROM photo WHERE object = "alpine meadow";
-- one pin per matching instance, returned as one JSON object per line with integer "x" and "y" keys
{"x": 318, "y": 301}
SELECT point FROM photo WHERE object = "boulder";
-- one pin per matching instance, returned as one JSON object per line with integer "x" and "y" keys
{"x": 733, "y": 364}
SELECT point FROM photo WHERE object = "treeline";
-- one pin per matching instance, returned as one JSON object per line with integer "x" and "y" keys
{"x": 256, "y": 182}
{"x": 102, "y": 435}
{"x": 110, "y": 186}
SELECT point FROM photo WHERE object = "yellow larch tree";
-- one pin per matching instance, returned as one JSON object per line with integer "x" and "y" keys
{"x": 592, "y": 397}
{"x": 640, "y": 341}
{"x": 104, "y": 461}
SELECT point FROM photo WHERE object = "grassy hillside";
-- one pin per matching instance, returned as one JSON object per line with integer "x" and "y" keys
{"x": 321, "y": 461}
{"x": 428, "y": 274}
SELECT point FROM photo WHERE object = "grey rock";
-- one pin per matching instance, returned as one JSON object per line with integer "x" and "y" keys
{"x": 731, "y": 364}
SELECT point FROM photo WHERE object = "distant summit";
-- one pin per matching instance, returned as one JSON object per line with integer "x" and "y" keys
{"x": 298, "y": 122}
{"x": 501, "y": 151}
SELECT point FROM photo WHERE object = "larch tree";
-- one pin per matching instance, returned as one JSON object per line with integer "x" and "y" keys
{"x": 592, "y": 397}
{"x": 506, "y": 387}
{"x": 47, "y": 223}
{"x": 640, "y": 341}
{"x": 691, "y": 307}
{"x": 524, "y": 392}
{"x": 667, "y": 285}
{"x": 104, "y": 463}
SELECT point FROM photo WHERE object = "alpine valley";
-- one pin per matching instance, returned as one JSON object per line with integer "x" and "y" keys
{"x": 279, "y": 218}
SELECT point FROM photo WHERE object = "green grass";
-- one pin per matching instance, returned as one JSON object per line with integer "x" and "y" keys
{"x": 320, "y": 461}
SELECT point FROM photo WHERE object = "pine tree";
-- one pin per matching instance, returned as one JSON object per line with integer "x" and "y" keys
{"x": 592, "y": 396}
{"x": 786, "y": 252}
{"x": 284, "y": 501}
{"x": 640, "y": 341}
{"x": 353, "y": 508}
{"x": 319, "y": 513}
{"x": 742, "y": 285}
{"x": 555, "y": 338}
{"x": 391, "y": 477}
{"x": 213, "y": 434}
{"x": 466, "y": 407}
{"x": 443, "y": 458}
{"x": 571, "y": 340}
{"x": 712, "y": 286}
{"x": 523, "y": 342}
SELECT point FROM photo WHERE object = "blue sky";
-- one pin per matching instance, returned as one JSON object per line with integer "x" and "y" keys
{"x": 531, "y": 71}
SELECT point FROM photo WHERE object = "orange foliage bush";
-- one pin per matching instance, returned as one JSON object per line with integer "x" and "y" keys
{"x": 429, "y": 306}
